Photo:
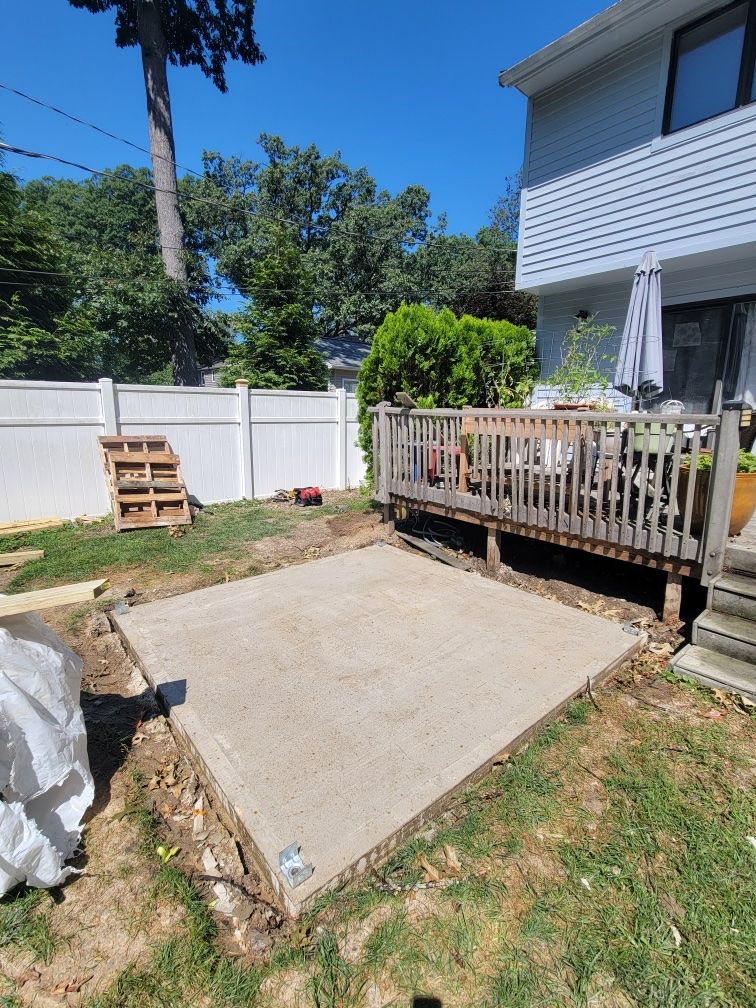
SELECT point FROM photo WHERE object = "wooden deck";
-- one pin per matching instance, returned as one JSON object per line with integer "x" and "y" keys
{"x": 622, "y": 485}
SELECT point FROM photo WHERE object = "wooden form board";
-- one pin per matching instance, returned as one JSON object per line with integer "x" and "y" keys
{"x": 144, "y": 481}
{"x": 20, "y": 557}
{"x": 33, "y": 525}
{"x": 48, "y": 598}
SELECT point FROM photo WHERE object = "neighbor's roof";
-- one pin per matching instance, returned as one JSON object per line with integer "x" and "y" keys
{"x": 617, "y": 26}
{"x": 343, "y": 353}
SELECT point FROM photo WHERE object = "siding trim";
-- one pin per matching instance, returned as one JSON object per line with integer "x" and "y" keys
{"x": 629, "y": 259}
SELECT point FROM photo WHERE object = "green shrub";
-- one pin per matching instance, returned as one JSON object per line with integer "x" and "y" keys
{"x": 444, "y": 361}
{"x": 746, "y": 462}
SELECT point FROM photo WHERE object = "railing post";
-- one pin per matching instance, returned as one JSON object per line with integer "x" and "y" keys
{"x": 341, "y": 429}
{"x": 719, "y": 499}
{"x": 245, "y": 440}
{"x": 384, "y": 474}
{"x": 108, "y": 404}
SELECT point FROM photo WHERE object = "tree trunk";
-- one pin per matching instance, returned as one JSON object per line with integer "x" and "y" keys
{"x": 154, "y": 57}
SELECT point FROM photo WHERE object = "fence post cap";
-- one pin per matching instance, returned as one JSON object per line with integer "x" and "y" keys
{"x": 242, "y": 383}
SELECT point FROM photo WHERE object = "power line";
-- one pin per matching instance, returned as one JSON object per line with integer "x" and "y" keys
{"x": 176, "y": 164}
{"x": 203, "y": 199}
{"x": 98, "y": 129}
{"x": 130, "y": 143}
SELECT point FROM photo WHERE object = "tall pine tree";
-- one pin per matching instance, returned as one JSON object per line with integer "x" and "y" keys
{"x": 203, "y": 33}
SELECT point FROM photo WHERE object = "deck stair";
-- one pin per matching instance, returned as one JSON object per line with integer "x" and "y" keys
{"x": 722, "y": 654}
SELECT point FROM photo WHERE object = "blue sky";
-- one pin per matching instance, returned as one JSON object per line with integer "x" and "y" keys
{"x": 407, "y": 88}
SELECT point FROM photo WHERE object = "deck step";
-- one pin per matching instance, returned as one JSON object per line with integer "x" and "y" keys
{"x": 716, "y": 671}
{"x": 740, "y": 559}
{"x": 726, "y": 634}
{"x": 734, "y": 594}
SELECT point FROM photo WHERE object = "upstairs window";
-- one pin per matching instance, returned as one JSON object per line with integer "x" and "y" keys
{"x": 712, "y": 66}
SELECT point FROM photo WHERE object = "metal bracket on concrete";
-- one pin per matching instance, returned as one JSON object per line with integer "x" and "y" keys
{"x": 293, "y": 868}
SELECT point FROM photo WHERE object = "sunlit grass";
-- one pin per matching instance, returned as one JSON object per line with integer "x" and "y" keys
{"x": 646, "y": 904}
{"x": 25, "y": 924}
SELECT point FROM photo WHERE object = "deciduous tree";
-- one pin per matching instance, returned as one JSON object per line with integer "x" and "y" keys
{"x": 41, "y": 334}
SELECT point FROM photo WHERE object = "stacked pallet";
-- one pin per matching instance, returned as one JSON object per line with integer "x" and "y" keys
{"x": 144, "y": 482}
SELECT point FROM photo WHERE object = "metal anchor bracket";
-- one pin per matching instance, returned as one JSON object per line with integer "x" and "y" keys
{"x": 293, "y": 868}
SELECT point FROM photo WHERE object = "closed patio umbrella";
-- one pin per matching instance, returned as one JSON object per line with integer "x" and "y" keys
{"x": 640, "y": 365}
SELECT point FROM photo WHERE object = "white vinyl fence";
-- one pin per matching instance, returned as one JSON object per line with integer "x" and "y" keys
{"x": 233, "y": 443}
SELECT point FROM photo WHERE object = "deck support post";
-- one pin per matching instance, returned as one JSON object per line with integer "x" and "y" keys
{"x": 389, "y": 518}
{"x": 493, "y": 550}
{"x": 672, "y": 597}
{"x": 384, "y": 476}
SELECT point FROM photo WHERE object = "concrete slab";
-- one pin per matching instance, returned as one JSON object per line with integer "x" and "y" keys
{"x": 338, "y": 703}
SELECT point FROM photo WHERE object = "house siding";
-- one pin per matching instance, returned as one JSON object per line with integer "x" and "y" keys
{"x": 609, "y": 302}
{"x": 596, "y": 115}
{"x": 603, "y": 187}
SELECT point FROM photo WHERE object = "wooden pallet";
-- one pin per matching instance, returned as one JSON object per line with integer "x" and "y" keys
{"x": 144, "y": 481}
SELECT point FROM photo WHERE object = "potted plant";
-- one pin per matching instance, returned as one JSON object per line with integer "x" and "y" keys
{"x": 743, "y": 497}
{"x": 581, "y": 373}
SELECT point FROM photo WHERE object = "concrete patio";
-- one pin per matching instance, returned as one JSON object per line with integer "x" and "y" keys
{"x": 338, "y": 704}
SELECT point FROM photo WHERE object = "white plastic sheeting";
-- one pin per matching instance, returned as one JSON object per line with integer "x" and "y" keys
{"x": 45, "y": 779}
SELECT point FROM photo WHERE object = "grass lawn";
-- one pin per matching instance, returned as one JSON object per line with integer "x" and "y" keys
{"x": 219, "y": 533}
{"x": 607, "y": 865}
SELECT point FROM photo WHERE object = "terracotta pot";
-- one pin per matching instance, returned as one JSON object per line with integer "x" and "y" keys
{"x": 583, "y": 407}
{"x": 743, "y": 499}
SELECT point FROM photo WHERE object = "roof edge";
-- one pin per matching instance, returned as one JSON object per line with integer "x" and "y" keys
{"x": 591, "y": 36}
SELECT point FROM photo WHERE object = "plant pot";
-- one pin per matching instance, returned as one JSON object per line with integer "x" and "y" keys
{"x": 582, "y": 407}
{"x": 743, "y": 499}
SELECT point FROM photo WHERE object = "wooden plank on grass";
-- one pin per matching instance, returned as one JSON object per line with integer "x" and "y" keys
{"x": 49, "y": 598}
{"x": 33, "y": 525}
{"x": 20, "y": 557}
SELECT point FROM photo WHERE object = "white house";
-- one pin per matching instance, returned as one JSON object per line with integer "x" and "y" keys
{"x": 641, "y": 134}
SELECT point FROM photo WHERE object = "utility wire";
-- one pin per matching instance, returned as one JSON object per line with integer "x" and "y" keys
{"x": 98, "y": 129}
{"x": 135, "y": 146}
{"x": 176, "y": 164}
{"x": 21, "y": 152}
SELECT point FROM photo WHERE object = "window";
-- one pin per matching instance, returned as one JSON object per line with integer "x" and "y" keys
{"x": 708, "y": 351}
{"x": 349, "y": 384}
{"x": 712, "y": 67}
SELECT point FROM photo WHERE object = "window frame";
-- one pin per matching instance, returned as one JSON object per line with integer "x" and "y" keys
{"x": 726, "y": 349}
{"x": 746, "y": 72}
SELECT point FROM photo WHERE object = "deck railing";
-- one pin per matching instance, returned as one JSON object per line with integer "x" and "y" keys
{"x": 626, "y": 479}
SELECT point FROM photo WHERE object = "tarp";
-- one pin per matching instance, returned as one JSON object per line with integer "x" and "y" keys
{"x": 640, "y": 364}
{"x": 45, "y": 780}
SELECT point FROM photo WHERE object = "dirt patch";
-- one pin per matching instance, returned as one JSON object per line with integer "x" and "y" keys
{"x": 111, "y": 915}
{"x": 317, "y": 537}
{"x": 312, "y": 536}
